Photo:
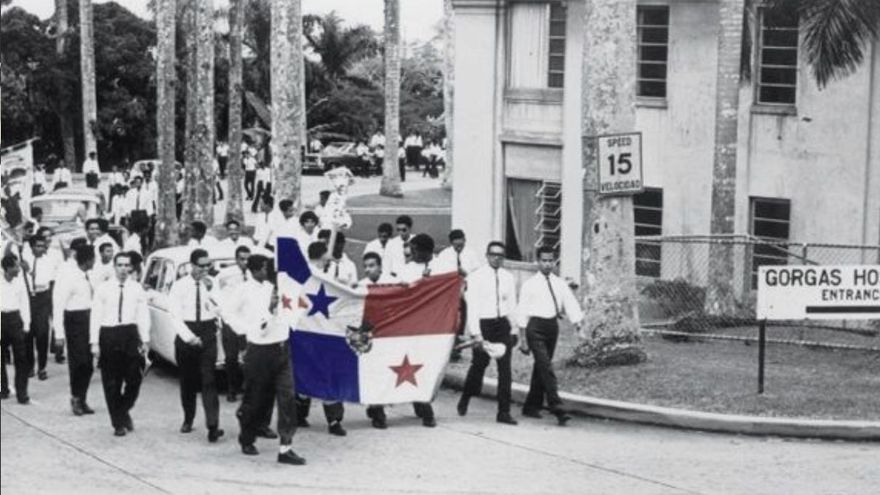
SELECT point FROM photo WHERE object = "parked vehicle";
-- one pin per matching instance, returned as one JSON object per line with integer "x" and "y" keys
{"x": 344, "y": 154}
{"x": 66, "y": 211}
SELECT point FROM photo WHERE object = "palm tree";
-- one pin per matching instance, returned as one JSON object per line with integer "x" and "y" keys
{"x": 166, "y": 25}
{"x": 87, "y": 68}
{"x": 390, "y": 171}
{"x": 234, "y": 203}
{"x": 65, "y": 119}
{"x": 448, "y": 85}
{"x": 609, "y": 295}
{"x": 340, "y": 47}
{"x": 191, "y": 168}
{"x": 287, "y": 87}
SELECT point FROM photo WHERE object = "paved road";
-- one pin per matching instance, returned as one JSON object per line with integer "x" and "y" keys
{"x": 47, "y": 450}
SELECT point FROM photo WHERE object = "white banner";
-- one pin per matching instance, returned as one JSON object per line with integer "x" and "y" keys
{"x": 836, "y": 292}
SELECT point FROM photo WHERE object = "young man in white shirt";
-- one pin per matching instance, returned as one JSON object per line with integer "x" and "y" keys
{"x": 62, "y": 177}
{"x": 263, "y": 222}
{"x": 195, "y": 347}
{"x": 91, "y": 170}
{"x": 222, "y": 157}
{"x": 96, "y": 236}
{"x": 491, "y": 300}
{"x": 403, "y": 226}
{"x": 458, "y": 256}
{"x": 233, "y": 240}
{"x": 139, "y": 204}
{"x": 249, "y": 161}
{"x": 544, "y": 298}
{"x": 103, "y": 270}
{"x": 41, "y": 267}
{"x": 231, "y": 278}
{"x": 380, "y": 246}
{"x": 15, "y": 321}
{"x": 71, "y": 305}
{"x": 340, "y": 268}
{"x": 119, "y": 332}
{"x": 200, "y": 237}
{"x": 267, "y": 363}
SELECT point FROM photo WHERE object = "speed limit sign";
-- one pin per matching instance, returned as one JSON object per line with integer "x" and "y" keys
{"x": 620, "y": 163}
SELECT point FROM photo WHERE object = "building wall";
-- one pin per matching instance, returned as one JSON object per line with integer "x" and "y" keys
{"x": 825, "y": 158}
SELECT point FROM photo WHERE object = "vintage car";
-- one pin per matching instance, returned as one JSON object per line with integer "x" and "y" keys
{"x": 162, "y": 270}
{"x": 344, "y": 154}
{"x": 66, "y": 210}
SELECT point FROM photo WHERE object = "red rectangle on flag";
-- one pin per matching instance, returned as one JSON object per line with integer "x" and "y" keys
{"x": 428, "y": 307}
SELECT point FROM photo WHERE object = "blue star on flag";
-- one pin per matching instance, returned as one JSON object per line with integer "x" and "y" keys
{"x": 321, "y": 302}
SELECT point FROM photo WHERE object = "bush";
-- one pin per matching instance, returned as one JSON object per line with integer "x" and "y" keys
{"x": 675, "y": 297}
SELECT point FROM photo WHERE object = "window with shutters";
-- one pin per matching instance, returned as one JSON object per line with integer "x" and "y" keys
{"x": 770, "y": 223}
{"x": 648, "y": 215}
{"x": 653, "y": 42}
{"x": 776, "y": 81}
{"x": 537, "y": 45}
{"x": 534, "y": 217}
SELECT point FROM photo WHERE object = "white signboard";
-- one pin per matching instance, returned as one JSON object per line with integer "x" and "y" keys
{"x": 620, "y": 163}
{"x": 836, "y": 292}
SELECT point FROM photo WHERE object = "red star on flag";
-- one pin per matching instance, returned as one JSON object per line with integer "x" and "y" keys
{"x": 303, "y": 303}
{"x": 406, "y": 372}
{"x": 285, "y": 302}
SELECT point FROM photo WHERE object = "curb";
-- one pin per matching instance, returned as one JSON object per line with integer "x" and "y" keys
{"x": 395, "y": 210}
{"x": 691, "y": 420}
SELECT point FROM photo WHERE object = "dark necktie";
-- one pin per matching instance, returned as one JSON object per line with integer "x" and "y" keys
{"x": 427, "y": 271}
{"x": 121, "y": 290}
{"x": 91, "y": 289}
{"x": 198, "y": 301}
{"x": 553, "y": 295}
{"x": 497, "y": 294}
{"x": 34, "y": 275}
{"x": 458, "y": 259}
{"x": 137, "y": 200}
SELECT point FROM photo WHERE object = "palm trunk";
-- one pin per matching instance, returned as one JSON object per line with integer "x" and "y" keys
{"x": 448, "y": 85}
{"x": 191, "y": 168}
{"x": 166, "y": 223}
{"x": 204, "y": 130}
{"x": 390, "y": 171}
{"x": 287, "y": 83}
{"x": 609, "y": 296}
{"x": 65, "y": 120}
{"x": 720, "y": 296}
{"x": 87, "y": 69}
{"x": 234, "y": 205}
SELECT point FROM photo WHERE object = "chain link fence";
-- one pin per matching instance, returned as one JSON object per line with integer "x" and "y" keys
{"x": 673, "y": 281}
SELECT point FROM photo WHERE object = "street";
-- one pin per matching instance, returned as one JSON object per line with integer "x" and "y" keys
{"x": 45, "y": 449}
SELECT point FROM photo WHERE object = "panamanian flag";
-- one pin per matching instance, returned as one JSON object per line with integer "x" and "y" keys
{"x": 375, "y": 345}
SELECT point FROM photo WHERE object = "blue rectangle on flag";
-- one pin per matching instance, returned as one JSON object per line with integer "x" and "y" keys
{"x": 326, "y": 367}
{"x": 291, "y": 260}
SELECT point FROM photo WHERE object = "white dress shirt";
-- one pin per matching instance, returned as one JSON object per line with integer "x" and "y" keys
{"x": 101, "y": 239}
{"x": 182, "y": 298}
{"x": 117, "y": 178}
{"x": 139, "y": 199}
{"x": 536, "y": 300}
{"x": 101, "y": 272}
{"x": 73, "y": 291}
{"x": 39, "y": 178}
{"x": 343, "y": 270}
{"x": 384, "y": 252}
{"x": 132, "y": 243}
{"x": 41, "y": 271}
{"x": 208, "y": 243}
{"x": 63, "y": 175}
{"x": 384, "y": 279}
{"x": 91, "y": 166}
{"x": 14, "y": 297}
{"x": 413, "y": 271}
{"x": 106, "y": 310}
{"x": 467, "y": 260}
{"x": 490, "y": 293}
{"x": 394, "y": 249}
{"x": 247, "y": 313}
{"x": 232, "y": 276}
{"x": 227, "y": 246}
{"x": 250, "y": 163}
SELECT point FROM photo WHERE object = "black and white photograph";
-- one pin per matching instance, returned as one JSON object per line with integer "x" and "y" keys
{"x": 502, "y": 247}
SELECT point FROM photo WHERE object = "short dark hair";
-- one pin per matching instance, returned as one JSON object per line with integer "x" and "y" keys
{"x": 84, "y": 254}
{"x": 385, "y": 228}
{"x": 324, "y": 234}
{"x": 104, "y": 245}
{"x": 324, "y": 194}
{"x": 79, "y": 241}
{"x": 104, "y": 224}
{"x": 93, "y": 221}
{"x": 199, "y": 226}
{"x": 372, "y": 255}
{"x": 317, "y": 250}
{"x": 196, "y": 254}
{"x": 269, "y": 200}
{"x": 36, "y": 238}
{"x": 42, "y": 231}
{"x": 544, "y": 249}
{"x": 256, "y": 262}
{"x": 242, "y": 249}
{"x": 9, "y": 260}
{"x": 285, "y": 204}
{"x": 404, "y": 219}
{"x": 422, "y": 243}
{"x": 136, "y": 259}
{"x": 233, "y": 222}
{"x": 496, "y": 244}
{"x": 456, "y": 234}
{"x": 36, "y": 211}
{"x": 308, "y": 215}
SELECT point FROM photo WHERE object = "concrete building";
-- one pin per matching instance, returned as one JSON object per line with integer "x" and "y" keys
{"x": 808, "y": 163}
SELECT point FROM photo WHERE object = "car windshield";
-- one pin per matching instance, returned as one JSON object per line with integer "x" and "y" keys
{"x": 64, "y": 209}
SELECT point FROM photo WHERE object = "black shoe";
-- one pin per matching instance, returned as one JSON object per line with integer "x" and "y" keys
{"x": 119, "y": 432}
{"x": 24, "y": 400}
{"x": 59, "y": 358}
{"x": 335, "y": 428}
{"x": 462, "y": 406}
{"x": 31, "y": 374}
{"x": 42, "y": 375}
{"x": 266, "y": 432}
{"x": 186, "y": 427}
{"x": 214, "y": 434}
{"x": 249, "y": 450}
{"x": 531, "y": 413}
{"x": 291, "y": 458}
{"x": 76, "y": 407}
{"x": 85, "y": 408}
{"x": 302, "y": 423}
{"x": 380, "y": 423}
{"x": 128, "y": 424}
{"x": 4, "y": 394}
{"x": 562, "y": 417}
{"x": 231, "y": 397}
{"x": 506, "y": 419}
{"x": 429, "y": 422}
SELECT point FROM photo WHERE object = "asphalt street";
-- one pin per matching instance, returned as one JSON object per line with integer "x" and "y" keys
{"x": 45, "y": 449}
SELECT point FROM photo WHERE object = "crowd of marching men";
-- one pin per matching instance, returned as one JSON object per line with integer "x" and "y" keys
{"x": 94, "y": 302}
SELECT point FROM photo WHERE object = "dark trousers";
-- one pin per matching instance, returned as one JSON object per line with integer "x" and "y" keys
{"x": 542, "y": 334}
{"x": 333, "y": 411}
{"x": 233, "y": 344}
{"x": 79, "y": 359}
{"x": 263, "y": 189}
{"x": 92, "y": 180}
{"x": 39, "y": 334}
{"x": 267, "y": 374}
{"x": 121, "y": 370}
{"x": 422, "y": 410}
{"x": 250, "y": 176}
{"x": 197, "y": 366}
{"x": 14, "y": 343}
{"x": 493, "y": 330}
{"x": 222, "y": 161}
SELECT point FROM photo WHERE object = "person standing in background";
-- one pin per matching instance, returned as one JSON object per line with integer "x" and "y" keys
{"x": 40, "y": 271}
{"x": 222, "y": 157}
{"x": 62, "y": 177}
{"x": 15, "y": 322}
{"x": 91, "y": 170}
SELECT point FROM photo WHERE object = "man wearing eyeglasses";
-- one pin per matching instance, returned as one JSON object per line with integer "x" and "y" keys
{"x": 195, "y": 347}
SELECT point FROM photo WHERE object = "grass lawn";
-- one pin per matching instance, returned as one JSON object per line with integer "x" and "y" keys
{"x": 426, "y": 198}
{"x": 722, "y": 377}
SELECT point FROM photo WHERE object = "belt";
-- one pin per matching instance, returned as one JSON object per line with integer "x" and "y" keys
{"x": 75, "y": 311}
{"x": 203, "y": 322}
{"x": 494, "y": 318}
{"x": 40, "y": 291}
{"x": 10, "y": 312}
